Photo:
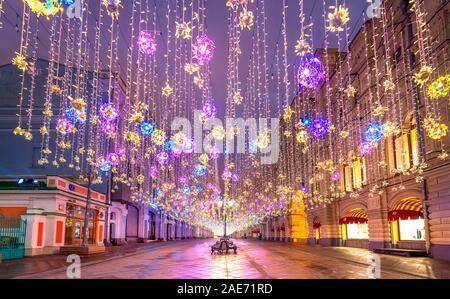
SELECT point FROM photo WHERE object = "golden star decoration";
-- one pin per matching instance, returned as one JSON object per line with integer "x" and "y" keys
{"x": 246, "y": 19}
{"x": 183, "y": 30}
{"x": 423, "y": 75}
{"x": 20, "y": 61}
{"x": 288, "y": 112}
{"x": 337, "y": 19}
{"x": 302, "y": 47}
{"x": 191, "y": 68}
{"x": 167, "y": 90}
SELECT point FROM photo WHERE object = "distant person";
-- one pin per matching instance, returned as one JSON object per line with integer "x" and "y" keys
{"x": 245, "y": 236}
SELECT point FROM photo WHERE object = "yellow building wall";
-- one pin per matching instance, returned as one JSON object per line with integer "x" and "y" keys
{"x": 299, "y": 219}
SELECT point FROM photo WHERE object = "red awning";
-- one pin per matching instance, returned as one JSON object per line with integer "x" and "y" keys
{"x": 404, "y": 215}
{"x": 349, "y": 220}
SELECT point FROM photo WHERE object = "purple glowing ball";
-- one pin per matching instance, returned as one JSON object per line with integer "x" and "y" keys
{"x": 310, "y": 73}
{"x": 319, "y": 127}
{"x": 203, "y": 49}
{"x": 146, "y": 42}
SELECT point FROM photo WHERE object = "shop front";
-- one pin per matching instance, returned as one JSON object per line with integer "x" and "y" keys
{"x": 75, "y": 224}
{"x": 355, "y": 228}
{"x": 407, "y": 224}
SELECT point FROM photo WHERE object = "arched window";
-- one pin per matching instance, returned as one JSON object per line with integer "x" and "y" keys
{"x": 354, "y": 173}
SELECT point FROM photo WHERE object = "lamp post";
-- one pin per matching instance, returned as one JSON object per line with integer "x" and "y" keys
{"x": 416, "y": 104}
{"x": 85, "y": 239}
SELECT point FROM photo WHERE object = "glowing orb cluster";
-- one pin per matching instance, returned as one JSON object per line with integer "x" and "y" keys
{"x": 146, "y": 43}
{"x": 365, "y": 148}
{"x": 435, "y": 129}
{"x": 146, "y": 128}
{"x": 67, "y": 3}
{"x": 105, "y": 165}
{"x": 162, "y": 158}
{"x": 319, "y": 127}
{"x": 158, "y": 136}
{"x": 335, "y": 176}
{"x": 108, "y": 112}
{"x": 203, "y": 49}
{"x": 75, "y": 116}
{"x": 374, "y": 132}
{"x": 199, "y": 170}
{"x": 44, "y": 7}
{"x": 311, "y": 72}
{"x": 209, "y": 109}
{"x": 64, "y": 126}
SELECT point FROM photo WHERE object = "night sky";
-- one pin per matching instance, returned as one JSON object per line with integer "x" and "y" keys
{"x": 216, "y": 22}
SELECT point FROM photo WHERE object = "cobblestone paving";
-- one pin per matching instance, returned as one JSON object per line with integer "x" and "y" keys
{"x": 255, "y": 259}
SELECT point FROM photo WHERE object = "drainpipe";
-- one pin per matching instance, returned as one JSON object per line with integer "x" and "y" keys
{"x": 416, "y": 103}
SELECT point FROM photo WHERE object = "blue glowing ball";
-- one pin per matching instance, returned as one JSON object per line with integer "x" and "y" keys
{"x": 306, "y": 121}
{"x": 186, "y": 189}
{"x": 199, "y": 170}
{"x": 105, "y": 166}
{"x": 374, "y": 132}
{"x": 169, "y": 145}
{"x": 199, "y": 189}
{"x": 146, "y": 128}
{"x": 158, "y": 192}
{"x": 74, "y": 116}
{"x": 67, "y": 3}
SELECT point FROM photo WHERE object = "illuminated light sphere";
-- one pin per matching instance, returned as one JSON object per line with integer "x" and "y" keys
{"x": 226, "y": 175}
{"x": 311, "y": 72}
{"x": 319, "y": 127}
{"x": 159, "y": 192}
{"x": 337, "y": 19}
{"x": 162, "y": 158}
{"x": 302, "y": 137}
{"x": 374, "y": 132}
{"x": 153, "y": 171}
{"x": 108, "y": 128}
{"x": 365, "y": 148}
{"x": 199, "y": 170}
{"x": 183, "y": 180}
{"x": 67, "y": 3}
{"x": 214, "y": 153}
{"x": 252, "y": 146}
{"x": 169, "y": 145}
{"x": 105, "y": 165}
{"x": 209, "y": 109}
{"x": 439, "y": 88}
{"x": 186, "y": 189}
{"x": 235, "y": 177}
{"x": 64, "y": 126}
{"x": 113, "y": 158}
{"x": 306, "y": 121}
{"x": 75, "y": 116}
{"x": 108, "y": 112}
{"x": 146, "y": 42}
{"x": 146, "y": 128}
{"x": 203, "y": 49}
{"x": 218, "y": 132}
{"x": 199, "y": 188}
{"x": 335, "y": 176}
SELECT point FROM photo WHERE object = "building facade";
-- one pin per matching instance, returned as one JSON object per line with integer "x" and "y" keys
{"x": 384, "y": 199}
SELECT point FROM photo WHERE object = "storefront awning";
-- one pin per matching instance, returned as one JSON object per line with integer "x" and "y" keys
{"x": 350, "y": 220}
{"x": 404, "y": 215}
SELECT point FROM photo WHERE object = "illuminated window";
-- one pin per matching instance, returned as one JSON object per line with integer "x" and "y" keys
{"x": 390, "y": 154}
{"x": 414, "y": 147}
{"x": 357, "y": 177}
{"x": 412, "y": 230}
{"x": 348, "y": 179}
{"x": 342, "y": 179}
{"x": 357, "y": 231}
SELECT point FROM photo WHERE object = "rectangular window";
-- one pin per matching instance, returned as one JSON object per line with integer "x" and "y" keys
{"x": 348, "y": 178}
{"x": 412, "y": 230}
{"x": 364, "y": 170}
{"x": 414, "y": 147}
{"x": 358, "y": 231}
{"x": 357, "y": 181}
{"x": 390, "y": 154}
{"x": 342, "y": 179}
{"x": 399, "y": 153}
{"x": 406, "y": 154}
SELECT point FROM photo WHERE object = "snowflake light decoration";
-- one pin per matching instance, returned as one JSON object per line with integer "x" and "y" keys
{"x": 64, "y": 126}
{"x": 158, "y": 136}
{"x": 146, "y": 42}
{"x": 203, "y": 49}
{"x": 311, "y": 72}
{"x": 246, "y": 19}
{"x": 75, "y": 116}
{"x": 365, "y": 148}
{"x": 20, "y": 61}
{"x": 209, "y": 108}
{"x": 423, "y": 75}
{"x": 162, "y": 158}
{"x": 435, "y": 129}
{"x": 167, "y": 90}
{"x": 183, "y": 30}
{"x": 108, "y": 112}
{"x": 112, "y": 7}
{"x": 337, "y": 19}
{"x": 44, "y": 7}
{"x": 439, "y": 88}
{"x": 302, "y": 47}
